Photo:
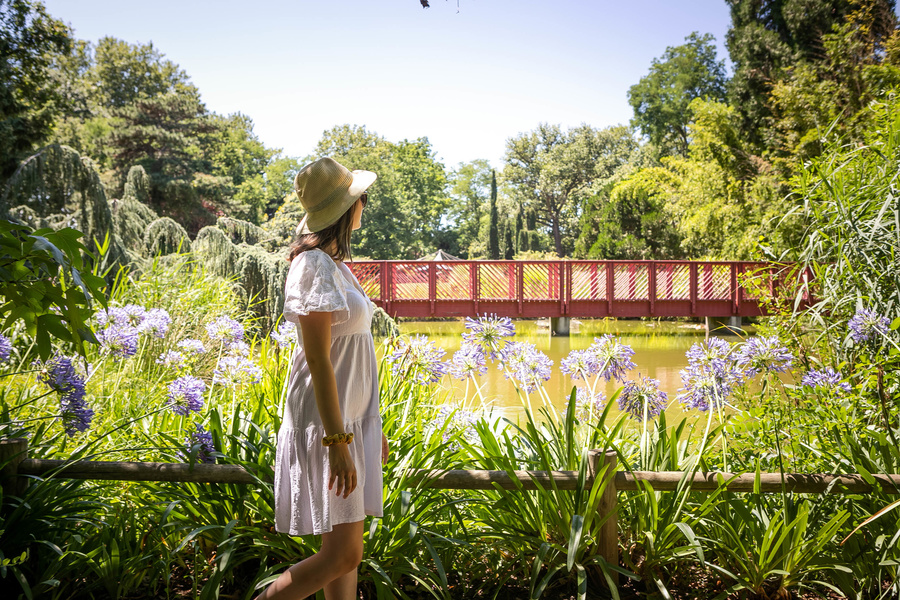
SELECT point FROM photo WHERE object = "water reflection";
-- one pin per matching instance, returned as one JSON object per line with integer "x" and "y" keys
{"x": 659, "y": 353}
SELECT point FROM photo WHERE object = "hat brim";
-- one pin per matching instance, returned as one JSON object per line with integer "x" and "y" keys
{"x": 359, "y": 184}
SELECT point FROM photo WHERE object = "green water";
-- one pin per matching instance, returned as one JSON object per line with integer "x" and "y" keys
{"x": 659, "y": 353}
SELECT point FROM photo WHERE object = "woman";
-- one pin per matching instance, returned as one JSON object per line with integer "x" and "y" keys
{"x": 327, "y": 471}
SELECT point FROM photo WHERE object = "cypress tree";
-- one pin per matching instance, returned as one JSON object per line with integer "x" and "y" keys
{"x": 493, "y": 249}
{"x": 509, "y": 250}
{"x": 520, "y": 226}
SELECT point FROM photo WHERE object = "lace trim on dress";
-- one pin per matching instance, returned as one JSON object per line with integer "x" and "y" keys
{"x": 314, "y": 285}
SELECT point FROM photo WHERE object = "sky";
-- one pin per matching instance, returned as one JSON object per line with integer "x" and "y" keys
{"x": 467, "y": 77}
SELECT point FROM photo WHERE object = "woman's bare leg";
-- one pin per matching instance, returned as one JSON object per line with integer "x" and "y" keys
{"x": 338, "y": 559}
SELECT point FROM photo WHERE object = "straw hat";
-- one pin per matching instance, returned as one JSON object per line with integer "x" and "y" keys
{"x": 327, "y": 189}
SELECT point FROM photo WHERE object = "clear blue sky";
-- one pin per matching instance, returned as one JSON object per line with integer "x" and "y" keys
{"x": 467, "y": 80}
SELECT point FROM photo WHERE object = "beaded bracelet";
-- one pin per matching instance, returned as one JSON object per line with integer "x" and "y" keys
{"x": 337, "y": 438}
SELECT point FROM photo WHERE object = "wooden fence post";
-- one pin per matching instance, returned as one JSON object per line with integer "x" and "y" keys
{"x": 12, "y": 452}
{"x": 608, "y": 543}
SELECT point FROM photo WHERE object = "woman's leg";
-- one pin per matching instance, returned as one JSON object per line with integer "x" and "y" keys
{"x": 338, "y": 559}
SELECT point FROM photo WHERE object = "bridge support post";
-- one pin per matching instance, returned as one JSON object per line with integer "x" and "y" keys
{"x": 724, "y": 326}
{"x": 560, "y": 326}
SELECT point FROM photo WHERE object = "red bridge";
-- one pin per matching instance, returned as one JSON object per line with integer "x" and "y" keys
{"x": 567, "y": 288}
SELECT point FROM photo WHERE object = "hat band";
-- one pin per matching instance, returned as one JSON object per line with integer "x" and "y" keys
{"x": 338, "y": 192}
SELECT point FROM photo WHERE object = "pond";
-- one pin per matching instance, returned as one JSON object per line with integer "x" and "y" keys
{"x": 659, "y": 347}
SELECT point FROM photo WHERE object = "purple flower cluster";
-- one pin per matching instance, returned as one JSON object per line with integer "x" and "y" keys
{"x": 172, "y": 359}
{"x": 237, "y": 348}
{"x": 866, "y": 324}
{"x": 192, "y": 346}
{"x": 120, "y": 340}
{"x": 59, "y": 374}
{"x": 588, "y": 405}
{"x": 612, "y": 357}
{"x": 760, "y": 354}
{"x": 420, "y": 359}
{"x": 710, "y": 376}
{"x": 488, "y": 332}
{"x": 826, "y": 379}
{"x": 468, "y": 361}
{"x": 186, "y": 395}
{"x": 5, "y": 348}
{"x": 525, "y": 364}
{"x": 200, "y": 441}
{"x": 579, "y": 364}
{"x": 155, "y": 321}
{"x": 235, "y": 370}
{"x": 123, "y": 326}
{"x": 225, "y": 329}
{"x": 451, "y": 421}
{"x": 285, "y": 335}
{"x": 642, "y": 399}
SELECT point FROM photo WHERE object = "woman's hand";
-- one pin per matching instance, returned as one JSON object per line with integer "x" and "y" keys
{"x": 342, "y": 477}
{"x": 385, "y": 451}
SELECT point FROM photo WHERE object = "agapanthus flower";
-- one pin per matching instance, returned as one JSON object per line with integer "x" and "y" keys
{"x": 238, "y": 348}
{"x": 172, "y": 359}
{"x": 420, "y": 359}
{"x": 451, "y": 420}
{"x": 134, "y": 314}
{"x": 866, "y": 324}
{"x": 186, "y": 395}
{"x": 714, "y": 353}
{"x": 525, "y": 364}
{"x": 708, "y": 385}
{"x": 156, "y": 321}
{"x": 825, "y": 379}
{"x": 203, "y": 442}
{"x": 488, "y": 332}
{"x": 467, "y": 362}
{"x": 760, "y": 354}
{"x": 612, "y": 356}
{"x": 192, "y": 346}
{"x": 236, "y": 370}
{"x": 285, "y": 335}
{"x": 225, "y": 329}
{"x": 579, "y": 364}
{"x": 120, "y": 340}
{"x": 61, "y": 375}
{"x": 114, "y": 315}
{"x": 588, "y": 405}
{"x": 5, "y": 348}
{"x": 642, "y": 399}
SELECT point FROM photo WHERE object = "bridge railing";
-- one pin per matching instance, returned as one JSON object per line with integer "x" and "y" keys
{"x": 561, "y": 288}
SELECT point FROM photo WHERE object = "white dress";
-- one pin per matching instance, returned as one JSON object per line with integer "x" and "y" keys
{"x": 303, "y": 503}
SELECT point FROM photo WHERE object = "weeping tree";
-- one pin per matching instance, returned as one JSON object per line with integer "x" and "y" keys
{"x": 164, "y": 236}
{"x": 61, "y": 189}
{"x": 131, "y": 215}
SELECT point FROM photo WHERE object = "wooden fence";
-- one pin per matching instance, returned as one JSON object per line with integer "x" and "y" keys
{"x": 602, "y": 469}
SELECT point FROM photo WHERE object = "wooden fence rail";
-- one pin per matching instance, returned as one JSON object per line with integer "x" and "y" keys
{"x": 602, "y": 468}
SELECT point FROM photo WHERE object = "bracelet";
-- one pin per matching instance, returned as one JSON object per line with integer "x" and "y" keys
{"x": 337, "y": 438}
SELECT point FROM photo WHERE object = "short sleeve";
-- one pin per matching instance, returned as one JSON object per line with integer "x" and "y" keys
{"x": 314, "y": 285}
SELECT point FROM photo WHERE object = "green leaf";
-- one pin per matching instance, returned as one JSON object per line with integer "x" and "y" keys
{"x": 575, "y": 532}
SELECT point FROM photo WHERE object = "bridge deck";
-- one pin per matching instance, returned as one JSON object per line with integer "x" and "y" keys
{"x": 560, "y": 288}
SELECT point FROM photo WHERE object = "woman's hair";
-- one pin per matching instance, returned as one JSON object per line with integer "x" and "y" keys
{"x": 339, "y": 233}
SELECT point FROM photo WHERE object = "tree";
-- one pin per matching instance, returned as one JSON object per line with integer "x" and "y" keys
{"x": 552, "y": 172}
{"x": 469, "y": 186}
{"x": 493, "y": 239}
{"x": 123, "y": 73}
{"x": 29, "y": 97}
{"x": 408, "y": 201}
{"x": 660, "y": 99}
{"x": 769, "y": 39}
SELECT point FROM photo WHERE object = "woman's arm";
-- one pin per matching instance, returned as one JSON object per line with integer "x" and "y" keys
{"x": 316, "y": 331}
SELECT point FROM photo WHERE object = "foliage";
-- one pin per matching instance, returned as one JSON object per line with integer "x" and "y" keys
{"x": 44, "y": 285}
{"x": 29, "y": 40}
{"x": 551, "y": 172}
{"x": 493, "y": 233}
{"x": 660, "y": 99}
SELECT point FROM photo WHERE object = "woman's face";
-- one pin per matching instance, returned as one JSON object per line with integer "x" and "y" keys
{"x": 357, "y": 211}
